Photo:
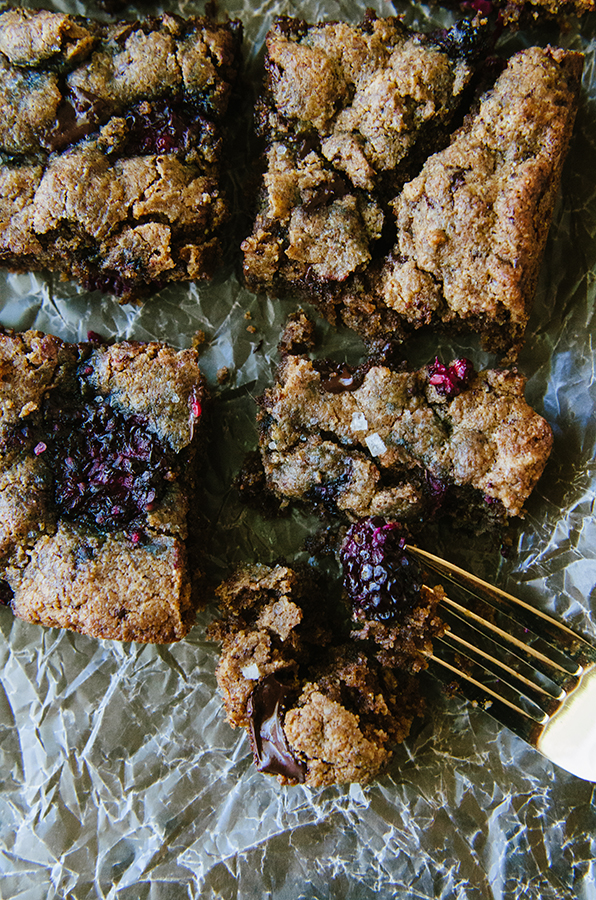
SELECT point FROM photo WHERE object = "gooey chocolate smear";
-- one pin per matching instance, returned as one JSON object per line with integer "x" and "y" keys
{"x": 80, "y": 114}
{"x": 268, "y": 741}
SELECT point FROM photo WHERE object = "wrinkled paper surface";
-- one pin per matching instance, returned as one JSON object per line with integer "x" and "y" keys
{"x": 119, "y": 776}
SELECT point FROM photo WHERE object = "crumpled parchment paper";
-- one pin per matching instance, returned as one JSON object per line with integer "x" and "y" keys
{"x": 119, "y": 776}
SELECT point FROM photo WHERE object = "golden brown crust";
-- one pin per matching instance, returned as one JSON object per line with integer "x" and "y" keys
{"x": 106, "y": 587}
{"x": 473, "y": 225}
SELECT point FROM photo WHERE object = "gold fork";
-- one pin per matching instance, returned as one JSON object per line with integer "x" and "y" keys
{"x": 529, "y": 671}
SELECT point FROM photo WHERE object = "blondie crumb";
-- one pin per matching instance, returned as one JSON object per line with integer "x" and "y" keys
{"x": 344, "y": 112}
{"x": 515, "y": 12}
{"x": 320, "y": 708}
{"x": 472, "y": 226}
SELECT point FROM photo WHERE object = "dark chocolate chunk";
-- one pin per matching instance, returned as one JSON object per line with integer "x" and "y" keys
{"x": 333, "y": 189}
{"x": 267, "y": 738}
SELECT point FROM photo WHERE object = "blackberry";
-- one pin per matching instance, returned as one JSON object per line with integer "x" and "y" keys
{"x": 110, "y": 470}
{"x": 379, "y": 577}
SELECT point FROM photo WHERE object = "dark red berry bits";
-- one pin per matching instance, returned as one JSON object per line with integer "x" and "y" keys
{"x": 164, "y": 127}
{"x": 110, "y": 470}
{"x": 450, "y": 381}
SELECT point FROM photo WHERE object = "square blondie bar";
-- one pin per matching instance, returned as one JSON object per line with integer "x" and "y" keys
{"x": 384, "y": 440}
{"x": 110, "y": 147}
{"x": 97, "y": 444}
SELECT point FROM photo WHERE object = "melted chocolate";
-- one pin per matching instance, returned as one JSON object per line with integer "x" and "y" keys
{"x": 6, "y": 593}
{"x": 79, "y": 114}
{"x": 338, "y": 377}
{"x": 307, "y": 143}
{"x": 269, "y": 745}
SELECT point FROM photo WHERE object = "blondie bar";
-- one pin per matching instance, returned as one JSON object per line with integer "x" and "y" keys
{"x": 110, "y": 147}
{"x": 97, "y": 445}
{"x": 381, "y": 440}
{"x": 472, "y": 226}
{"x": 364, "y": 210}
{"x": 516, "y": 11}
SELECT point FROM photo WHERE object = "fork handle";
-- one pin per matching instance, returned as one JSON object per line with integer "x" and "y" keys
{"x": 569, "y": 737}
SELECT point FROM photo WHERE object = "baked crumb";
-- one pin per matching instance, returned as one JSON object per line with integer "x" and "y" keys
{"x": 320, "y": 709}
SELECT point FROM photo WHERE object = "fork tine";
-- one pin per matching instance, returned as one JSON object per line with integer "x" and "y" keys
{"x": 571, "y": 669}
{"x": 540, "y": 717}
{"x": 471, "y": 650}
{"x": 574, "y": 644}
{"x": 542, "y": 688}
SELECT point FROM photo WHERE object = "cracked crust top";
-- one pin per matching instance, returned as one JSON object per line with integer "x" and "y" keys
{"x": 390, "y": 444}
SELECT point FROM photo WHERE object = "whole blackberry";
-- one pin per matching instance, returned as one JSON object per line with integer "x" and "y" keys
{"x": 379, "y": 577}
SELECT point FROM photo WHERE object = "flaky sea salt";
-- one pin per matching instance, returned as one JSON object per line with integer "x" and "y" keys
{"x": 251, "y": 672}
{"x": 375, "y": 444}
{"x": 359, "y": 422}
